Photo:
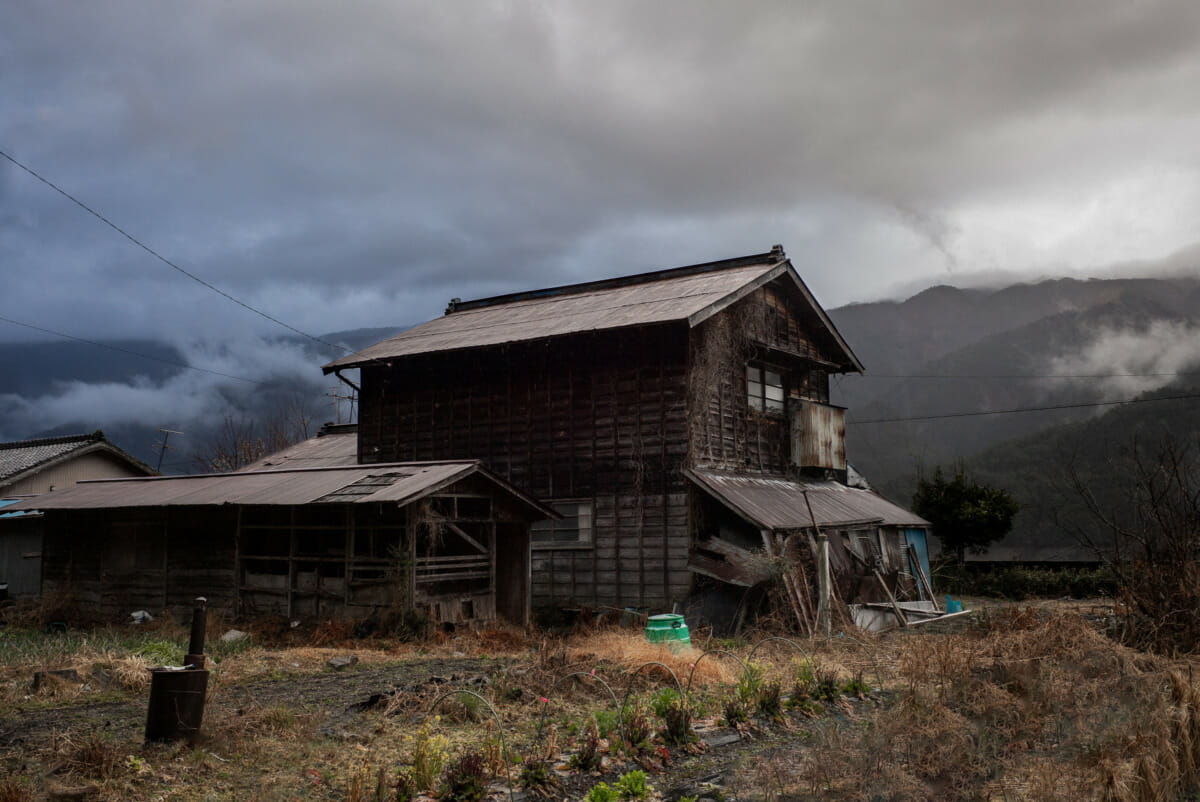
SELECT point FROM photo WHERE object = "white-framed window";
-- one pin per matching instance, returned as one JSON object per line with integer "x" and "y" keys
{"x": 573, "y": 530}
{"x": 764, "y": 389}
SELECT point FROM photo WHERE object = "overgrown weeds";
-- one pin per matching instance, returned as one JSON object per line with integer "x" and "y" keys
{"x": 464, "y": 780}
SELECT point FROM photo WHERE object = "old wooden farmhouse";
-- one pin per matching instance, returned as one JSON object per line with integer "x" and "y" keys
{"x": 678, "y": 421}
{"x": 639, "y": 442}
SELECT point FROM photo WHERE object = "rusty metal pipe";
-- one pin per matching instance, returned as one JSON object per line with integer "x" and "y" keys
{"x": 195, "y": 652}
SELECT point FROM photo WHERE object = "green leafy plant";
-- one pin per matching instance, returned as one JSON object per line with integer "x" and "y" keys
{"x": 677, "y": 720}
{"x": 803, "y": 678}
{"x": 856, "y": 686}
{"x": 636, "y": 729}
{"x": 735, "y": 710}
{"x": 633, "y": 785}
{"x": 749, "y": 684}
{"x": 429, "y": 757}
{"x": 662, "y": 700}
{"x": 464, "y": 780}
{"x": 606, "y": 723}
{"x": 406, "y": 787}
{"x": 827, "y": 689}
{"x": 601, "y": 792}
{"x": 537, "y": 778}
{"x": 770, "y": 700}
{"x": 587, "y": 758}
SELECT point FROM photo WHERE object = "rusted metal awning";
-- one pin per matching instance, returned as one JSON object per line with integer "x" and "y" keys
{"x": 778, "y": 504}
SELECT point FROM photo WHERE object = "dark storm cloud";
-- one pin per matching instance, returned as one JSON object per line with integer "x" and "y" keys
{"x": 357, "y": 164}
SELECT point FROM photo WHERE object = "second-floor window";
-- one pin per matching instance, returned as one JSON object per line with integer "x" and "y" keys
{"x": 764, "y": 389}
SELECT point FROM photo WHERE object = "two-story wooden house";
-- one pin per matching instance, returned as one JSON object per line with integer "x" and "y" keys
{"x": 677, "y": 420}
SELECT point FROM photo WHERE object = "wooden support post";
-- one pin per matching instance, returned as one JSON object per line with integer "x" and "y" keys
{"x": 824, "y": 579}
{"x": 824, "y": 585}
{"x": 922, "y": 580}
{"x": 895, "y": 605}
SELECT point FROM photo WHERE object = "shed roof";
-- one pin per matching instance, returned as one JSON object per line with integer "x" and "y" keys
{"x": 25, "y": 457}
{"x": 397, "y": 482}
{"x": 776, "y": 503}
{"x": 333, "y": 447}
{"x": 691, "y": 294}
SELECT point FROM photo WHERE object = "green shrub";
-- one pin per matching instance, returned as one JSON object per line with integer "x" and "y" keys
{"x": 1019, "y": 582}
{"x": 633, "y": 785}
{"x": 600, "y": 792}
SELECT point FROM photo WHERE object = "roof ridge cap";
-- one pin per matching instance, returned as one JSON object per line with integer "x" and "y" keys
{"x": 772, "y": 257}
{"x": 53, "y": 441}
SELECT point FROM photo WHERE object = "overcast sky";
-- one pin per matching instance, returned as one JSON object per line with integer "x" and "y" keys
{"x": 347, "y": 164}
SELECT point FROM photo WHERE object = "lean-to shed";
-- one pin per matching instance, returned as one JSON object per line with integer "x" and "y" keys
{"x": 446, "y": 538}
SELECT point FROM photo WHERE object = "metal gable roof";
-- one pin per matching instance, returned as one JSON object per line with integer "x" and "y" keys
{"x": 335, "y": 449}
{"x": 771, "y": 502}
{"x": 690, "y": 294}
{"x": 293, "y": 486}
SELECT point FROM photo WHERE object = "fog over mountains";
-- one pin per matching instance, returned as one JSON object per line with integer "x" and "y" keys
{"x": 942, "y": 352}
{"x": 70, "y": 387}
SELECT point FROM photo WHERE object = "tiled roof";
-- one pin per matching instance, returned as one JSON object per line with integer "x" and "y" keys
{"x": 23, "y": 455}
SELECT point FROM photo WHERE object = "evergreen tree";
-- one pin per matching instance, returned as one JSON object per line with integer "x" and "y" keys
{"x": 966, "y": 515}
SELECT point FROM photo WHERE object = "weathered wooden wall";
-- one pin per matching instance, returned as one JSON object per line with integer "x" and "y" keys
{"x": 104, "y": 565}
{"x": 599, "y": 415}
{"x": 765, "y": 329}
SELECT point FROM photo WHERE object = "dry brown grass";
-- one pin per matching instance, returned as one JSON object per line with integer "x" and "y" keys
{"x": 630, "y": 650}
{"x": 13, "y": 789}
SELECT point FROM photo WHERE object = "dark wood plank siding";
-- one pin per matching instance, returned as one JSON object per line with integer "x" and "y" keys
{"x": 766, "y": 328}
{"x": 103, "y": 565}
{"x": 599, "y": 416}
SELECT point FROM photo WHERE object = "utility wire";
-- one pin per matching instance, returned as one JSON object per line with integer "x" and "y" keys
{"x": 1023, "y": 375}
{"x": 133, "y": 353}
{"x": 1028, "y": 409}
{"x": 164, "y": 259}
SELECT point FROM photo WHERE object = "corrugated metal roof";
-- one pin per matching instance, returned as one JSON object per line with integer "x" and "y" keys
{"x": 332, "y": 450}
{"x": 413, "y": 480}
{"x": 776, "y": 503}
{"x": 689, "y": 294}
{"x": 669, "y": 299}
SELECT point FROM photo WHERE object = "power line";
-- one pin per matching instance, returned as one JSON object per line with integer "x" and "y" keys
{"x": 1028, "y": 409}
{"x": 164, "y": 259}
{"x": 1024, "y": 375}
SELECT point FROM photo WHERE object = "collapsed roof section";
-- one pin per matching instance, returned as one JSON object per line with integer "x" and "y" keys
{"x": 779, "y": 504}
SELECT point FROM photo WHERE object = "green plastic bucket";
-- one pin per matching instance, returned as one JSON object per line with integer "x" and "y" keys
{"x": 668, "y": 628}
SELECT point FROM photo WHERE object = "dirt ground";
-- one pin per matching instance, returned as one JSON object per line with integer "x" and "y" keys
{"x": 1016, "y": 702}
